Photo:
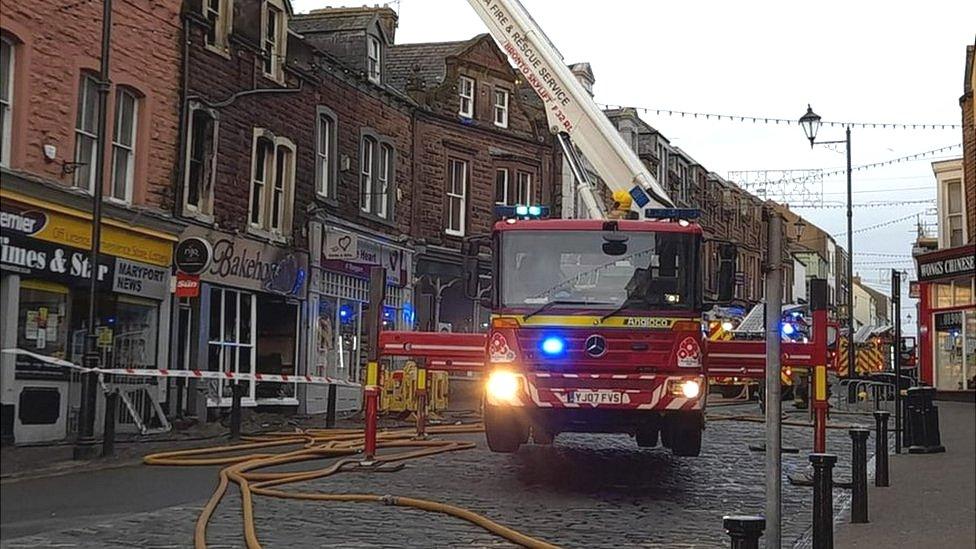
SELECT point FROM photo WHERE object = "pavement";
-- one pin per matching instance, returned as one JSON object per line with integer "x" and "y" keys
{"x": 583, "y": 491}
{"x": 931, "y": 500}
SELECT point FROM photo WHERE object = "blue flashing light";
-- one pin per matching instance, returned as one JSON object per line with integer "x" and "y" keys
{"x": 345, "y": 313}
{"x": 672, "y": 213}
{"x": 522, "y": 211}
{"x": 553, "y": 345}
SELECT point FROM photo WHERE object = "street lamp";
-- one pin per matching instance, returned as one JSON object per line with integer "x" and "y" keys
{"x": 798, "y": 227}
{"x": 810, "y": 122}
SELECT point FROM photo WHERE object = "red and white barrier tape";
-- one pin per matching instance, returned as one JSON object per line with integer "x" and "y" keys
{"x": 193, "y": 374}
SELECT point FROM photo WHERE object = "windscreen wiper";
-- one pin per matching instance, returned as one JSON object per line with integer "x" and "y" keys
{"x": 624, "y": 305}
{"x": 557, "y": 302}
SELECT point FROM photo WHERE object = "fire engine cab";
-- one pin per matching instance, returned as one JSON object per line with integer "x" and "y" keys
{"x": 596, "y": 327}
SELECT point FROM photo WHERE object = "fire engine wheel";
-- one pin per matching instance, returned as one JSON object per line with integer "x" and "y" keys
{"x": 504, "y": 432}
{"x": 646, "y": 437}
{"x": 685, "y": 436}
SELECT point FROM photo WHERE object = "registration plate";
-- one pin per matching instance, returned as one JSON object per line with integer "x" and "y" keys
{"x": 595, "y": 397}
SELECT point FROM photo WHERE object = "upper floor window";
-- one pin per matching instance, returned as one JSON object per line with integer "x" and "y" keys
{"x": 523, "y": 188}
{"x": 501, "y": 187}
{"x": 501, "y": 108}
{"x": 377, "y": 172}
{"x": 86, "y": 133}
{"x": 201, "y": 162}
{"x": 6, "y": 98}
{"x": 274, "y": 40}
{"x": 124, "y": 144}
{"x": 466, "y": 94}
{"x": 954, "y": 214}
{"x": 325, "y": 153}
{"x": 373, "y": 58}
{"x": 272, "y": 183}
{"x": 457, "y": 197}
{"x": 217, "y": 13}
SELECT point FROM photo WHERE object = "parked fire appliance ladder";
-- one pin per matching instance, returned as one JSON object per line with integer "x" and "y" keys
{"x": 572, "y": 114}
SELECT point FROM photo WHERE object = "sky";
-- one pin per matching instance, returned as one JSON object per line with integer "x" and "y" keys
{"x": 869, "y": 60}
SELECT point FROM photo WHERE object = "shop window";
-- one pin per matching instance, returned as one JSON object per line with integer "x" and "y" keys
{"x": 277, "y": 331}
{"x": 955, "y": 353}
{"x": 86, "y": 133}
{"x": 231, "y": 345}
{"x": 457, "y": 191}
{"x": 127, "y": 328}
{"x": 466, "y": 96}
{"x": 201, "y": 162}
{"x": 124, "y": 145}
{"x": 42, "y": 328}
{"x": 6, "y": 98}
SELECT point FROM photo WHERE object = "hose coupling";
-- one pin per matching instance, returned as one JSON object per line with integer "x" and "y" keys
{"x": 389, "y": 500}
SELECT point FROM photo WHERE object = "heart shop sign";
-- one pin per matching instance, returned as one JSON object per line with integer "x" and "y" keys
{"x": 354, "y": 254}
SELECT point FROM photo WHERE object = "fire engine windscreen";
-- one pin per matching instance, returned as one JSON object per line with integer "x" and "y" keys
{"x": 599, "y": 270}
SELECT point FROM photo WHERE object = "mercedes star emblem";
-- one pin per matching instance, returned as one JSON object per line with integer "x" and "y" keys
{"x": 596, "y": 346}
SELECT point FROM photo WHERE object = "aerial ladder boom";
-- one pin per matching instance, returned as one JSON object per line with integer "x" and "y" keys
{"x": 571, "y": 112}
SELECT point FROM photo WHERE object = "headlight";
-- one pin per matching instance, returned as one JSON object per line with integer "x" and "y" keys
{"x": 690, "y": 389}
{"x": 502, "y": 385}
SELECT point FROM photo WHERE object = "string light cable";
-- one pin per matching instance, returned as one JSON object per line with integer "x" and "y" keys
{"x": 773, "y": 120}
{"x": 886, "y": 223}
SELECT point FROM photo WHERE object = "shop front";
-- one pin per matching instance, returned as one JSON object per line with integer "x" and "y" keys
{"x": 45, "y": 273}
{"x": 339, "y": 300}
{"x": 241, "y": 314}
{"x": 947, "y": 318}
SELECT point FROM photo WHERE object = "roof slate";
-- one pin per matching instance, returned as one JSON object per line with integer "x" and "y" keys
{"x": 427, "y": 61}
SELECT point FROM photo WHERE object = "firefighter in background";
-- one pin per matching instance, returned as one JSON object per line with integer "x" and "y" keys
{"x": 622, "y": 201}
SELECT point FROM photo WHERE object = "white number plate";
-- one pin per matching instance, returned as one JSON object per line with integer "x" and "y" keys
{"x": 595, "y": 397}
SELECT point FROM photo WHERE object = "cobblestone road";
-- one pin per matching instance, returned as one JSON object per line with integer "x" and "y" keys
{"x": 585, "y": 491}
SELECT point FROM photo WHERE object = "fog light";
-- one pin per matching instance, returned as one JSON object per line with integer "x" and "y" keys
{"x": 690, "y": 389}
{"x": 727, "y": 326}
{"x": 502, "y": 385}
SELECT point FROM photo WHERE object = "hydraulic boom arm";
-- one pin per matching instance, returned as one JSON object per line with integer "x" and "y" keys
{"x": 569, "y": 108}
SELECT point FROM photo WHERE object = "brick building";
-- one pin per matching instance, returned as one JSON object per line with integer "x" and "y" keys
{"x": 968, "y": 108}
{"x": 49, "y": 135}
{"x": 297, "y": 159}
{"x": 480, "y": 140}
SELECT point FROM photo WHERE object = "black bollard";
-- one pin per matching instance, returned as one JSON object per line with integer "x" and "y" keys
{"x": 237, "y": 391}
{"x": 330, "y": 407}
{"x": 823, "y": 500}
{"x": 744, "y": 530}
{"x": 108, "y": 434}
{"x": 881, "y": 448}
{"x": 924, "y": 422}
{"x": 859, "y": 475}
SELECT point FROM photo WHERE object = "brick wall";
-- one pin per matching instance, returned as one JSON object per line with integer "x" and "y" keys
{"x": 358, "y": 106}
{"x": 55, "y": 42}
{"x": 969, "y": 142}
{"x": 441, "y": 135}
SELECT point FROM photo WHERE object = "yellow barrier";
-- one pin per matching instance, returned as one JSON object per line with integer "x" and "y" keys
{"x": 400, "y": 390}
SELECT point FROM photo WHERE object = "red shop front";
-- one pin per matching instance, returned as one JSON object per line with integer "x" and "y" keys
{"x": 947, "y": 318}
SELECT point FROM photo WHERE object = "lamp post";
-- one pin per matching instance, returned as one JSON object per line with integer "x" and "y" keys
{"x": 85, "y": 446}
{"x": 810, "y": 122}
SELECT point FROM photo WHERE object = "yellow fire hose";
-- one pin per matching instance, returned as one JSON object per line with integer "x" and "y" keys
{"x": 243, "y": 460}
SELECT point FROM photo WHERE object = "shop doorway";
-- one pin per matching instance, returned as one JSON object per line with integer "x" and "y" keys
{"x": 277, "y": 348}
{"x": 955, "y": 350}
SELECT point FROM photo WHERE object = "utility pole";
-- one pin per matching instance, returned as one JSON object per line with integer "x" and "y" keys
{"x": 896, "y": 313}
{"x": 851, "y": 348}
{"x": 85, "y": 445}
{"x": 774, "y": 314}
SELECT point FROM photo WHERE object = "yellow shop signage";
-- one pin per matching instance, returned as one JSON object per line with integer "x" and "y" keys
{"x": 65, "y": 226}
